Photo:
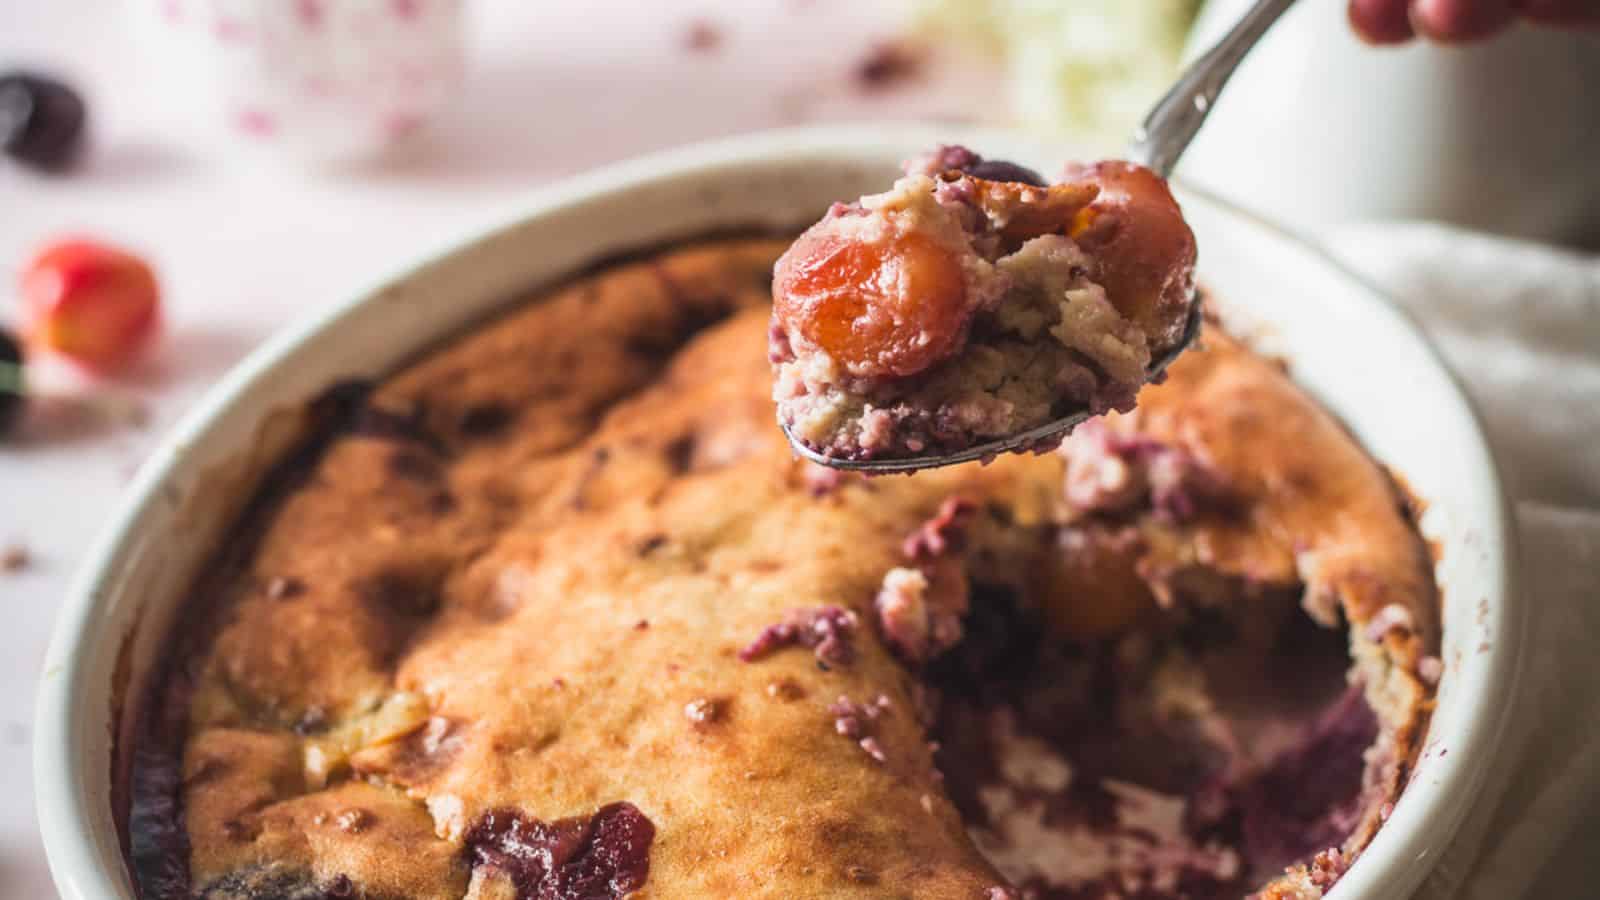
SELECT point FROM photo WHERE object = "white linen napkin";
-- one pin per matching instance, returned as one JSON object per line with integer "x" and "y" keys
{"x": 1521, "y": 324}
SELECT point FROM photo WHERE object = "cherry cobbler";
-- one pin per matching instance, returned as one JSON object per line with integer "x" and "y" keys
{"x": 973, "y": 302}
{"x": 550, "y": 620}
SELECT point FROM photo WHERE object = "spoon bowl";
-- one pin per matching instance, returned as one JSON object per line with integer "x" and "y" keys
{"x": 1157, "y": 144}
{"x": 1019, "y": 442}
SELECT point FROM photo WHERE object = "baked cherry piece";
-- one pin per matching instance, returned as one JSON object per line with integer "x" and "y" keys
{"x": 41, "y": 120}
{"x": 11, "y": 387}
{"x": 1144, "y": 248}
{"x": 888, "y": 307}
{"x": 94, "y": 304}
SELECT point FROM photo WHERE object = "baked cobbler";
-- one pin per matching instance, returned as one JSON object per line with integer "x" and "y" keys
{"x": 534, "y": 619}
{"x": 973, "y": 302}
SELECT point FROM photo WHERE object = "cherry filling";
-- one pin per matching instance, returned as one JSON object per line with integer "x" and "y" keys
{"x": 889, "y": 307}
{"x": 606, "y": 855}
{"x": 1144, "y": 249}
{"x": 1122, "y": 756}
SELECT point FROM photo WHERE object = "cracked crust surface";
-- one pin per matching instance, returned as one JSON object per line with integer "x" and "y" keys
{"x": 523, "y": 578}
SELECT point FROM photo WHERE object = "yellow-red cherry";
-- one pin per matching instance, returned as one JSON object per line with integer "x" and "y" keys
{"x": 887, "y": 307}
{"x": 94, "y": 304}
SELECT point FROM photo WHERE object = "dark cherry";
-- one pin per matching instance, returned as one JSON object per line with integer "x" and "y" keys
{"x": 41, "y": 120}
{"x": 10, "y": 380}
{"x": 1000, "y": 170}
{"x": 602, "y": 857}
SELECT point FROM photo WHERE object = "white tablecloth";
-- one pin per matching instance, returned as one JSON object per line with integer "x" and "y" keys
{"x": 1521, "y": 324}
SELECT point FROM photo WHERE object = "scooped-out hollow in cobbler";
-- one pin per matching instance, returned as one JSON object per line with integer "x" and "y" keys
{"x": 974, "y": 301}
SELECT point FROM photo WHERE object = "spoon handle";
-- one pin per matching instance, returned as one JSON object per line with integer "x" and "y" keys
{"x": 1177, "y": 117}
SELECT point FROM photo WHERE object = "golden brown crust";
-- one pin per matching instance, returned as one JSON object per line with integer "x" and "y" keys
{"x": 1321, "y": 511}
{"x": 527, "y": 584}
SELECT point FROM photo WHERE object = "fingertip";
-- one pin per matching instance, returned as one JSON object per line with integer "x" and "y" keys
{"x": 1456, "y": 21}
{"x": 1380, "y": 22}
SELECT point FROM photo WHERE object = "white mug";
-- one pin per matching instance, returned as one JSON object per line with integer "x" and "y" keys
{"x": 1319, "y": 128}
{"x": 314, "y": 80}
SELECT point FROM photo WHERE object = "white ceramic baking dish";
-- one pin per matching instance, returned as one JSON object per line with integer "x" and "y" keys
{"x": 1343, "y": 340}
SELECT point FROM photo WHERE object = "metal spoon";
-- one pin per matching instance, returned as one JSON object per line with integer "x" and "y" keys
{"x": 1157, "y": 144}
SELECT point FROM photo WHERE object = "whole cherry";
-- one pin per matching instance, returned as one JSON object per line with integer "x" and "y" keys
{"x": 91, "y": 303}
{"x": 41, "y": 120}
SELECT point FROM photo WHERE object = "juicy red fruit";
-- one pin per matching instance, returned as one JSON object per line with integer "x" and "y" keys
{"x": 601, "y": 857}
{"x": 890, "y": 307}
{"x": 1144, "y": 247}
{"x": 92, "y": 303}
